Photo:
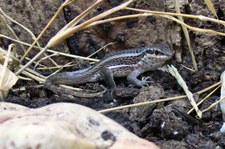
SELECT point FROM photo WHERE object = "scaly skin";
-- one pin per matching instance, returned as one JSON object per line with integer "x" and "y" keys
{"x": 127, "y": 63}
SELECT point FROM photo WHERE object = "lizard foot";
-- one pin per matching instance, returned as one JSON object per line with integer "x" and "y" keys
{"x": 146, "y": 80}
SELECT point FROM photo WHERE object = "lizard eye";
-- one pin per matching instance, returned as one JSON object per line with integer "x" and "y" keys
{"x": 150, "y": 51}
{"x": 157, "y": 52}
{"x": 154, "y": 51}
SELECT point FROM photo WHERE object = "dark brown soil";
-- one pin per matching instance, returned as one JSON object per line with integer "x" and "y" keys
{"x": 167, "y": 123}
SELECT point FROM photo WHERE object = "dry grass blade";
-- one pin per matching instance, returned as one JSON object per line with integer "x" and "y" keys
{"x": 211, "y": 7}
{"x": 111, "y": 43}
{"x": 76, "y": 20}
{"x": 73, "y": 56}
{"x": 7, "y": 78}
{"x": 31, "y": 61}
{"x": 194, "y": 28}
{"x": 58, "y": 38}
{"x": 118, "y": 18}
{"x": 209, "y": 88}
{"x": 157, "y": 101}
{"x": 36, "y": 74}
{"x": 34, "y": 77}
{"x": 173, "y": 71}
{"x": 60, "y": 68}
{"x": 186, "y": 33}
{"x": 46, "y": 57}
{"x": 52, "y": 51}
{"x": 213, "y": 105}
{"x": 206, "y": 97}
{"x": 159, "y": 15}
{"x": 56, "y": 67}
{"x": 141, "y": 104}
{"x": 67, "y": 2}
{"x": 200, "y": 17}
{"x": 189, "y": 69}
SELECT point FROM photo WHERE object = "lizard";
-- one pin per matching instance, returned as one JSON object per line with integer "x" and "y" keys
{"x": 128, "y": 63}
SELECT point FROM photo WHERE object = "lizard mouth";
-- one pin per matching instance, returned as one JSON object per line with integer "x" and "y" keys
{"x": 161, "y": 57}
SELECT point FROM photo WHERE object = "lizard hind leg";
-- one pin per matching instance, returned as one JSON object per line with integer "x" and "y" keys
{"x": 107, "y": 76}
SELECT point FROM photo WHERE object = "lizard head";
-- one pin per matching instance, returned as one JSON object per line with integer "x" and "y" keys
{"x": 155, "y": 56}
{"x": 159, "y": 51}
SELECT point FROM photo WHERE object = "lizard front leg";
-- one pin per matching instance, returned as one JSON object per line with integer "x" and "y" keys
{"x": 132, "y": 77}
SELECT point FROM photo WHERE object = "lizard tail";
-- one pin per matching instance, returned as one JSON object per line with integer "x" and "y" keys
{"x": 62, "y": 90}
